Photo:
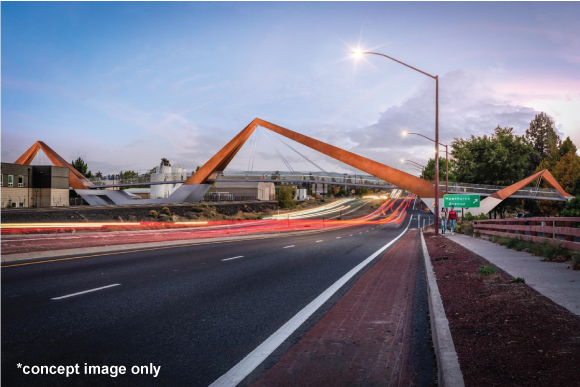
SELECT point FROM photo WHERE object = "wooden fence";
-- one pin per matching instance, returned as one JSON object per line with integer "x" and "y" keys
{"x": 534, "y": 229}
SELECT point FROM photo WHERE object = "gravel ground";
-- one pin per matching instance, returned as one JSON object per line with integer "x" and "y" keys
{"x": 505, "y": 334}
{"x": 133, "y": 213}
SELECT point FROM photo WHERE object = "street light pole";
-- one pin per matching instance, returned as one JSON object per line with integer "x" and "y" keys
{"x": 436, "y": 77}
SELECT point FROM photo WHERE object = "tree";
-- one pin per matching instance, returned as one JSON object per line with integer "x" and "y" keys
{"x": 129, "y": 175}
{"x": 80, "y": 165}
{"x": 285, "y": 196}
{"x": 567, "y": 147}
{"x": 165, "y": 162}
{"x": 564, "y": 164}
{"x": 576, "y": 187}
{"x": 500, "y": 159}
{"x": 572, "y": 208}
{"x": 542, "y": 137}
{"x": 430, "y": 170}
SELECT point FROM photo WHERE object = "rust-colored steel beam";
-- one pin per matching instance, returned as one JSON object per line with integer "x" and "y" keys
{"x": 221, "y": 159}
{"x": 399, "y": 178}
{"x": 545, "y": 174}
{"x": 76, "y": 179}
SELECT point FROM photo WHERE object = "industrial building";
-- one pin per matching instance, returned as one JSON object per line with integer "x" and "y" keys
{"x": 239, "y": 191}
{"x": 34, "y": 186}
{"x": 167, "y": 173}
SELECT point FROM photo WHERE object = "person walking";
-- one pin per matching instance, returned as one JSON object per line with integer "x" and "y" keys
{"x": 443, "y": 216}
{"x": 452, "y": 219}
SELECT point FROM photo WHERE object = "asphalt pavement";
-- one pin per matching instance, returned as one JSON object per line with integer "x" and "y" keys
{"x": 193, "y": 311}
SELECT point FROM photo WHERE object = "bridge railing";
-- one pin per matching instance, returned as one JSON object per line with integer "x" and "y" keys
{"x": 564, "y": 230}
{"x": 486, "y": 189}
{"x": 315, "y": 177}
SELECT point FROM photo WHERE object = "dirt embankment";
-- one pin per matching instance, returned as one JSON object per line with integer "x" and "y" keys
{"x": 505, "y": 333}
{"x": 136, "y": 213}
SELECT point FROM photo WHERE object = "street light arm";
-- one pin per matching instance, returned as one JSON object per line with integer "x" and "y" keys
{"x": 420, "y": 165}
{"x": 430, "y": 139}
{"x": 398, "y": 61}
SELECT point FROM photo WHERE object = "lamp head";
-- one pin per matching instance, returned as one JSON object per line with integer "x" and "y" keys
{"x": 405, "y": 133}
{"x": 357, "y": 53}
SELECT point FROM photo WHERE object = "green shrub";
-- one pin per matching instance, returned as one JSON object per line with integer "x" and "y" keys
{"x": 154, "y": 214}
{"x": 203, "y": 205}
{"x": 576, "y": 261}
{"x": 518, "y": 280}
{"x": 285, "y": 196}
{"x": 166, "y": 211}
{"x": 552, "y": 251}
{"x": 517, "y": 244}
{"x": 487, "y": 270}
{"x": 197, "y": 209}
{"x": 469, "y": 217}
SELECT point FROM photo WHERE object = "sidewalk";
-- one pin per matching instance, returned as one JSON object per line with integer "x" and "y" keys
{"x": 551, "y": 279}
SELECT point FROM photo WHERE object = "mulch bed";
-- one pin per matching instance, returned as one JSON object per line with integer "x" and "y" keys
{"x": 505, "y": 334}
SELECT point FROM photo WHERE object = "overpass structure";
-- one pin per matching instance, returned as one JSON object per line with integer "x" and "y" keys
{"x": 194, "y": 188}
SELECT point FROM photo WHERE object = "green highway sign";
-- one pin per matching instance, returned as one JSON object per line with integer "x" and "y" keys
{"x": 461, "y": 201}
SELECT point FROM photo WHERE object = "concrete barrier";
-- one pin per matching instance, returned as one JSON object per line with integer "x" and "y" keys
{"x": 448, "y": 370}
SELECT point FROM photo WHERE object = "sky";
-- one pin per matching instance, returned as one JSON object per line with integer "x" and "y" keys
{"x": 124, "y": 84}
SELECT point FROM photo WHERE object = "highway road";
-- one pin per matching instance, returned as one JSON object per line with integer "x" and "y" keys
{"x": 193, "y": 311}
{"x": 342, "y": 208}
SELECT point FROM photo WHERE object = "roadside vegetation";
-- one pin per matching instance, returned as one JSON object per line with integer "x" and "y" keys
{"x": 503, "y": 157}
{"x": 551, "y": 251}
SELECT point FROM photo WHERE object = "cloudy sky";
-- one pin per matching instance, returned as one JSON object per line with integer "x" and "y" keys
{"x": 124, "y": 84}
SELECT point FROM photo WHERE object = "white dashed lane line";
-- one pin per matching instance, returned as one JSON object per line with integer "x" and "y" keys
{"x": 287, "y": 247}
{"x": 350, "y": 235}
{"x": 319, "y": 241}
{"x": 229, "y": 259}
{"x": 337, "y": 237}
{"x": 83, "y": 292}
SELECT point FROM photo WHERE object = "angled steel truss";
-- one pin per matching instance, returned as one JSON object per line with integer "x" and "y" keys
{"x": 76, "y": 179}
{"x": 220, "y": 160}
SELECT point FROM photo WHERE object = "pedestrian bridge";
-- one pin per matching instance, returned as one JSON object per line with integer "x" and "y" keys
{"x": 335, "y": 178}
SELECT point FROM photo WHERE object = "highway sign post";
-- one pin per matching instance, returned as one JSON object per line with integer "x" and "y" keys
{"x": 461, "y": 201}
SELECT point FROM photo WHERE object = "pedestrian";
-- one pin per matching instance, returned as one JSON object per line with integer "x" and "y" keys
{"x": 443, "y": 217}
{"x": 452, "y": 219}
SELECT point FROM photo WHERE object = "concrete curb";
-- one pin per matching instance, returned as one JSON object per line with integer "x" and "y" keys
{"x": 98, "y": 250}
{"x": 448, "y": 370}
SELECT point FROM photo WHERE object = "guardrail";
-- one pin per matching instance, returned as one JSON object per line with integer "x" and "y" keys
{"x": 534, "y": 229}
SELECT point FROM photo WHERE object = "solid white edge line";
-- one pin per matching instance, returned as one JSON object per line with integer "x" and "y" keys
{"x": 287, "y": 247}
{"x": 229, "y": 259}
{"x": 249, "y": 363}
{"x": 86, "y": 291}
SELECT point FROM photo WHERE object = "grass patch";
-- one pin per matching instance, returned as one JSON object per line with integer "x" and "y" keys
{"x": 487, "y": 270}
{"x": 518, "y": 280}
